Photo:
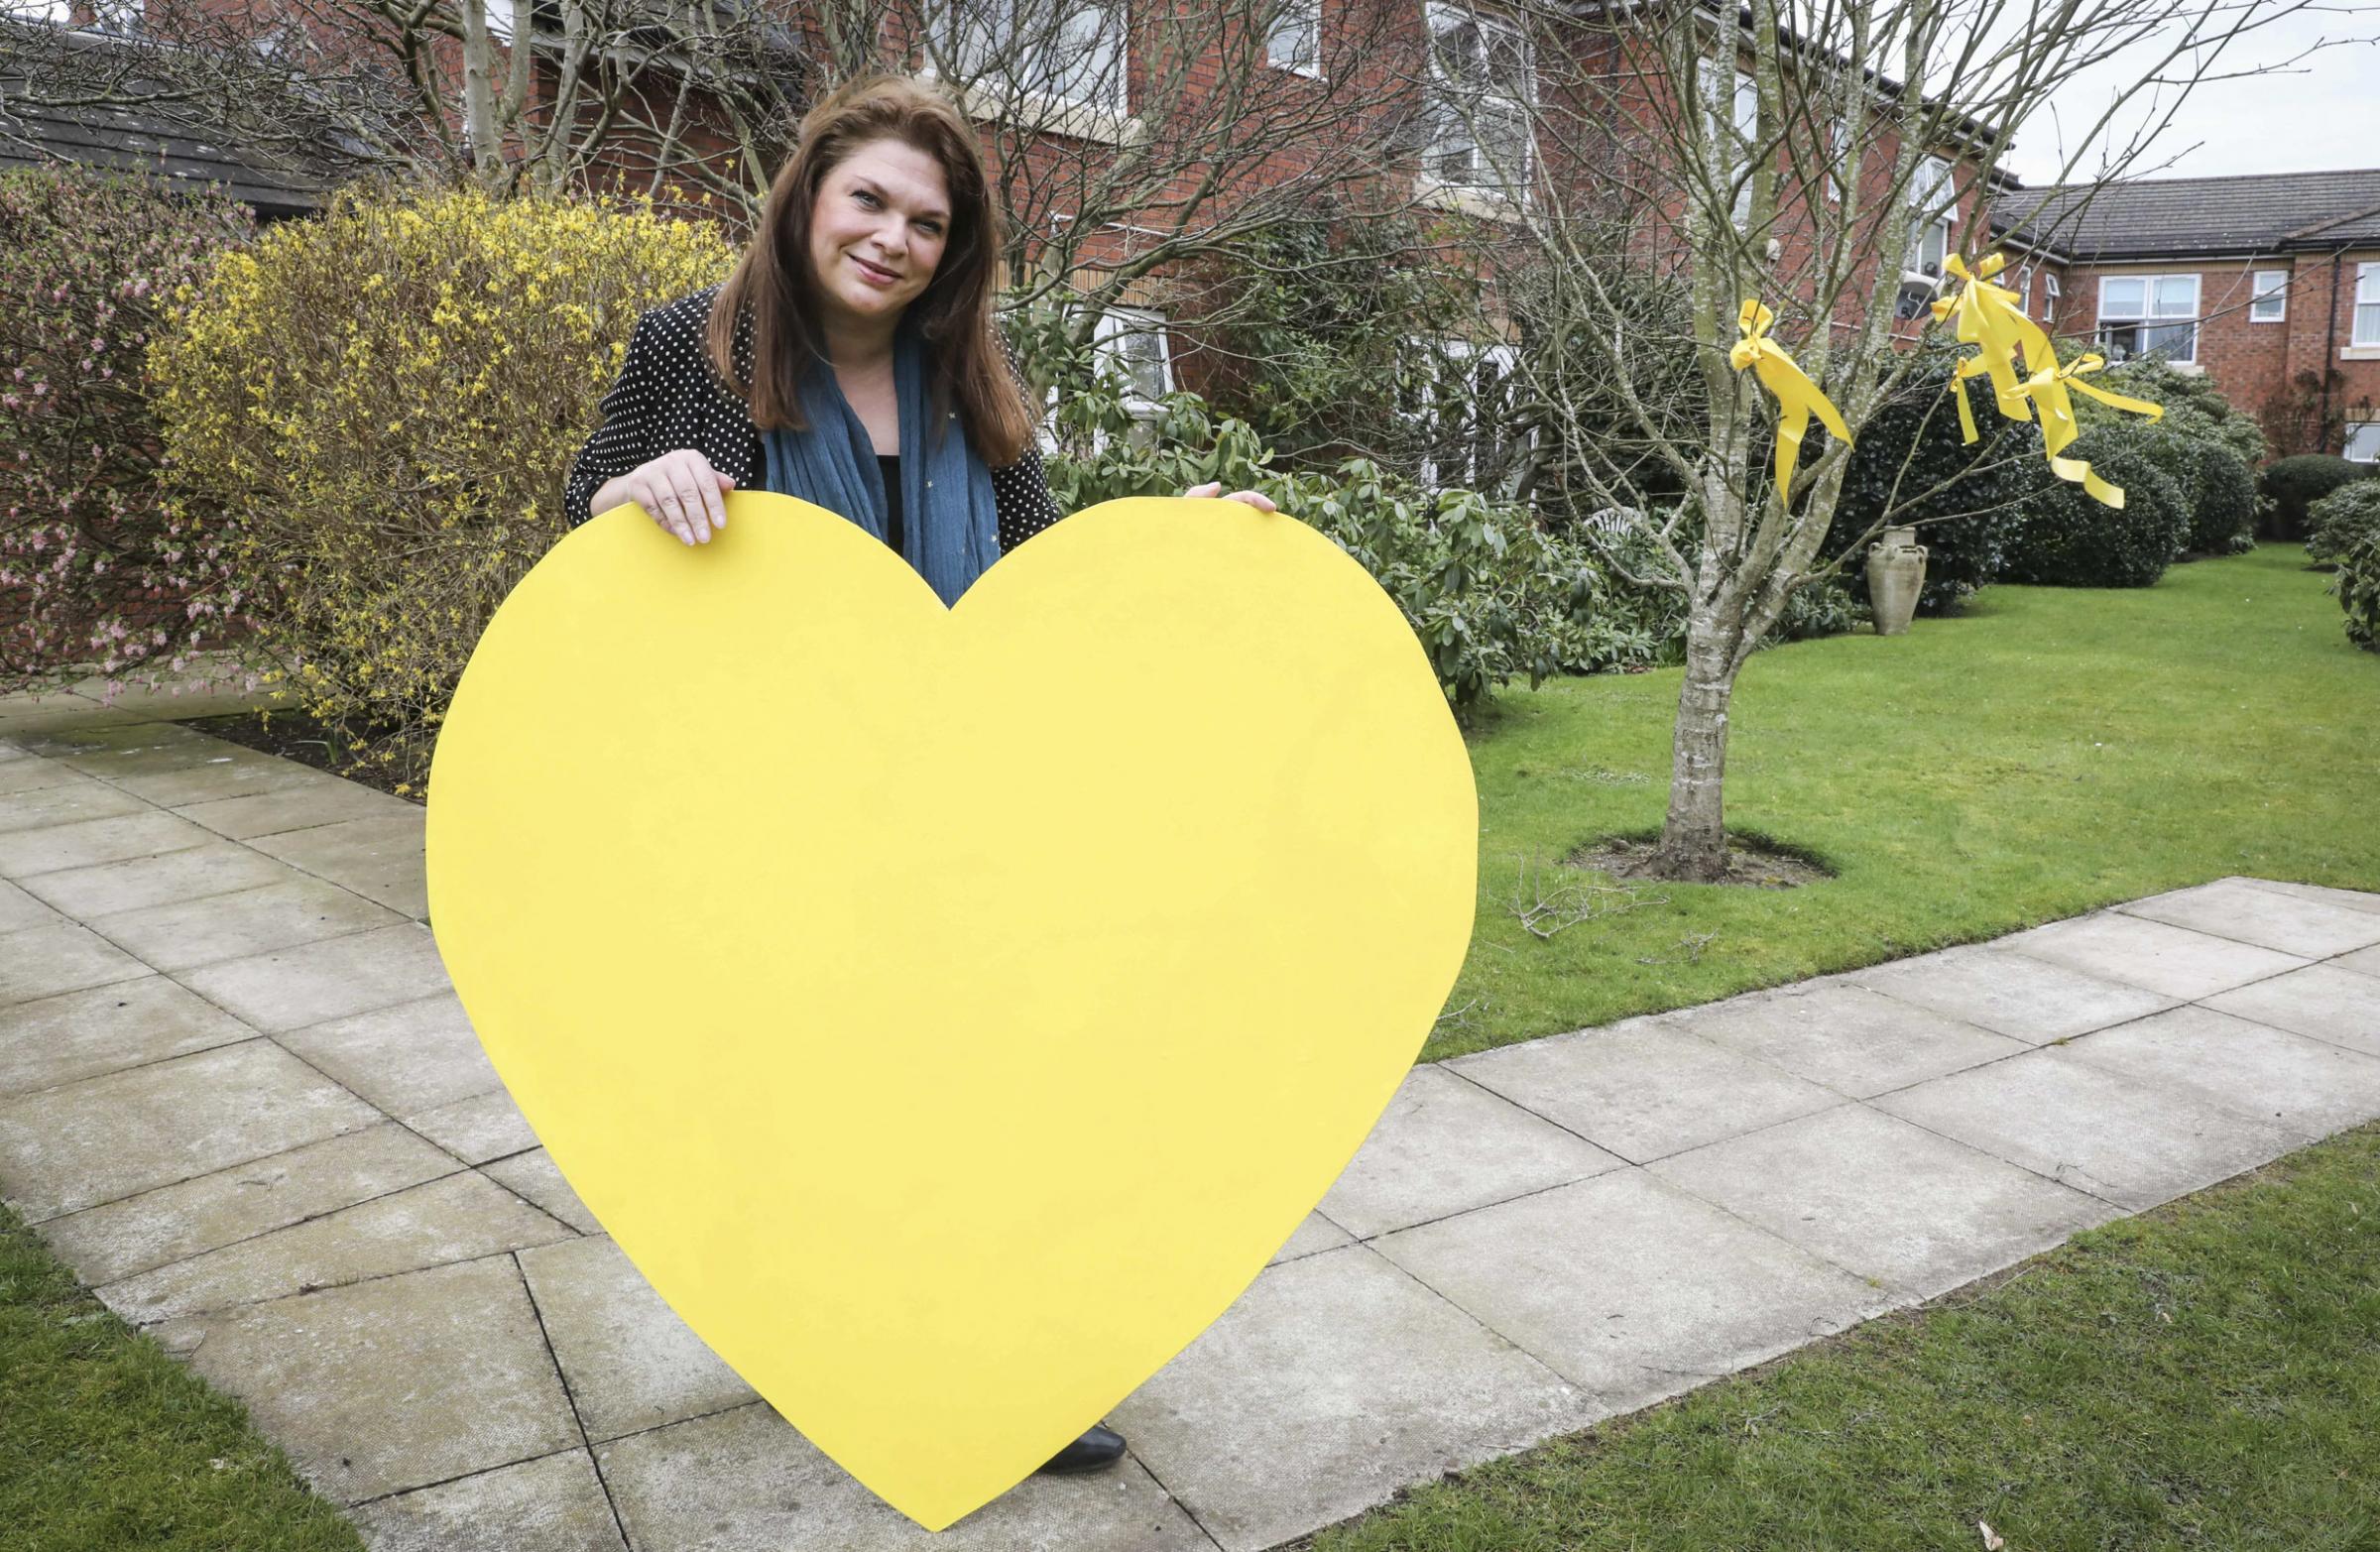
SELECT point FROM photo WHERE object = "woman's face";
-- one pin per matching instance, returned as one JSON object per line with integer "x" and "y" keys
{"x": 876, "y": 231}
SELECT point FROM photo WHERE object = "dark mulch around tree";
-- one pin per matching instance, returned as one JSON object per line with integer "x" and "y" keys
{"x": 1754, "y": 861}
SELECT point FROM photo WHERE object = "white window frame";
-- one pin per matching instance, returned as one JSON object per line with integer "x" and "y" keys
{"x": 1467, "y": 353}
{"x": 2153, "y": 318}
{"x": 1925, "y": 184}
{"x": 1839, "y": 141}
{"x": 1439, "y": 18}
{"x": 2366, "y": 328}
{"x": 2366, "y": 431}
{"x": 1296, "y": 20}
{"x": 2024, "y": 289}
{"x": 2052, "y": 293}
{"x": 1106, "y": 95}
{"x": 2268, "y": 287}
{"x": 1107, "y": 341}
{"x": 1739, "y": 125}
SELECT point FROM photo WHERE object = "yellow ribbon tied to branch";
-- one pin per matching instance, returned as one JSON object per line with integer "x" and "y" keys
{"x": 1987, "y": 317}
{"x": 1797, "y": 397}
{"x": 1990, "y": 319}
{"x": 2050, "y": 388}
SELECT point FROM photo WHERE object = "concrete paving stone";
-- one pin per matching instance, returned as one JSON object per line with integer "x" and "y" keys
{"x": 2152, "y": 954}
{"x": 414, "y": 1057}
{"x": 1447, "y": 1145}
{"x": 1885, "y": 1199}
{"x": 400, "y": 1382}
{"x": 2353, "y": 899}
{"x": 27, "y": 774}
{"x": 234, "y": 773}
{"x": 552, "y": 1504}
{"x": 476, "y": 1129}
{"x": 64, "y": 956}
{"x": 2268, "y": 918}
{"x": 312, "y": 983}
{"x": 1631, "y": 1289}
{"x": 188, "y": 933}
{"x": 126, "y": 1238}
{"x": 1333, "y": 1382}
{"x": 110, "y": 748}
{"x": 379, "y": 859}
{"x": 2026, "y": 998}
{"x": 19, "y": 911}
{"x": 112, "y": 1136}
{"x": 2364, "y": 961}
{"x": 1852, "y": 1040}
{"x": 1643, "y": 1088}
{"x": 107, "y": 1028}
{"x": 24, "y": 853}
{"x": 535, "y": 1177}
{"x": 1314, "y": 1236}
{"x": 460, "y": 1216}
{"x": 305, "y": 806}
{"x": 35, "y": 727}
{"x": 745, "y": 1482}
{"x": 2130, "y": 1143}
{"x": 2309, "y": 1086}
{"x": 66, "y": 803}
{"x": 631, "y": 1364}
{"x": 2322, "y": 1001}
{"x": 195, "y": 873}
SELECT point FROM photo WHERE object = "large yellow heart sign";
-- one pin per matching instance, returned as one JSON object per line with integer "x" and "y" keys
{"x": 950, "y": 1011}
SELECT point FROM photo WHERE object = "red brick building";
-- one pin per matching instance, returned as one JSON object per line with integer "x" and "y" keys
{"x": 2268, "y": 284}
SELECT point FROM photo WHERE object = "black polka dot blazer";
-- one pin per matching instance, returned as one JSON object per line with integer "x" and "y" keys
{"x": 668, "y": 397}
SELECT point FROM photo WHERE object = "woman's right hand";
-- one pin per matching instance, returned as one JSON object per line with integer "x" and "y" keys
{"x": 679, "y": 490}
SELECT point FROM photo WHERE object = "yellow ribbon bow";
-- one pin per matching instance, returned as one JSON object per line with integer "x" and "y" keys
{"x": 1987, "y": 317}
{"x": 1990, "y": 319}
{"x": 1797, "y": 397}
{"x": 2049, "y": 389}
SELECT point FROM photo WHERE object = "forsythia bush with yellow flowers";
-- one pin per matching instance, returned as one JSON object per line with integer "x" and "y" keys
{"x": 390, "y": 398}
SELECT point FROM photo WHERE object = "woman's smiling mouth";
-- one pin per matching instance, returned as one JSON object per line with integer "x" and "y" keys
{"x": 875, "y": 275}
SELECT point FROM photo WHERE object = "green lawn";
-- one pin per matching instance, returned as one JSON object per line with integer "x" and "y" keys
{"x": 107, "y": 1444}
{"x": 2203, "y": 1377}
{"x": 2050, "y": 751}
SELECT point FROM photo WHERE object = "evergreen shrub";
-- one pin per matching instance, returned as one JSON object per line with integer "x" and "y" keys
{"x": 2296, "y": 483}
{"x": 2066, "y": 539}
{"x": 2341, "y": 520}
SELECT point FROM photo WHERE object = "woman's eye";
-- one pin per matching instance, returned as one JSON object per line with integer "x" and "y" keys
{"x": 863, "y": 194}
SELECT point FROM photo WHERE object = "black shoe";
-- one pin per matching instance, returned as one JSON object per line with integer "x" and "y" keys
{"x": 1097, "y": 1450}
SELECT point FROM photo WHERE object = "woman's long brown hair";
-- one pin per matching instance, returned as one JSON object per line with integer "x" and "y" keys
{"x": 772, "y": 280}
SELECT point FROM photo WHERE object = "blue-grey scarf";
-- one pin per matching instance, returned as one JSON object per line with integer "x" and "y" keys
{"x": 950, "y": 523}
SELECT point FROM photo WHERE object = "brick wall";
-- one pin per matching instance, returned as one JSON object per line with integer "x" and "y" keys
{"x": 2276, "y": 369}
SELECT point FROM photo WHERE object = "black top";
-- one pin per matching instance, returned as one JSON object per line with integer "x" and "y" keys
{"x": 888, "y": 465}
{"x": 667, "y": 397}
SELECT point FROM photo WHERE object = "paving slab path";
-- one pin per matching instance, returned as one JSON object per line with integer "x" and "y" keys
{"x": 238, "y": 1097}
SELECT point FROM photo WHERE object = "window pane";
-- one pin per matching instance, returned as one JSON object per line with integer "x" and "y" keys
{"x": 2271, "y": 302}
{"x": 2123, "y": 297}
{"x": 1295, "y": 41}
{"x": 2175, "y": 342}
{"x": 2363, "y": 441}
{"x": 2367, "y": 323}
{"x": 2367, "y": 283}
{"x": 2176, "y": 295}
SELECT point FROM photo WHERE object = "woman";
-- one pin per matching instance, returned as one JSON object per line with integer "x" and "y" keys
{"x": 865, "y": 300}
{"x": 854, "y": 333}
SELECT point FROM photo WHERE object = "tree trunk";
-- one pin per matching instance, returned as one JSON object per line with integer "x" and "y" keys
{"x": 1694, "y": 839}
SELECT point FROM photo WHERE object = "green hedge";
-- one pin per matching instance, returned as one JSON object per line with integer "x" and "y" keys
{"x": 2067, "y": 539}
{"x": 2341, "y": 520}
{"x": 2295, "y": 484}
{"x": 1912, "y": 464}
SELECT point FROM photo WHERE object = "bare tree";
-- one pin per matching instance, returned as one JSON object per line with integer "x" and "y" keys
{"x": 1813, "y": 155}
{"x": 1130, "y": 141}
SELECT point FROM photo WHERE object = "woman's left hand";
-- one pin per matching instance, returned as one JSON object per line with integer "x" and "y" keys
{"x": 1256, "y": 498}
